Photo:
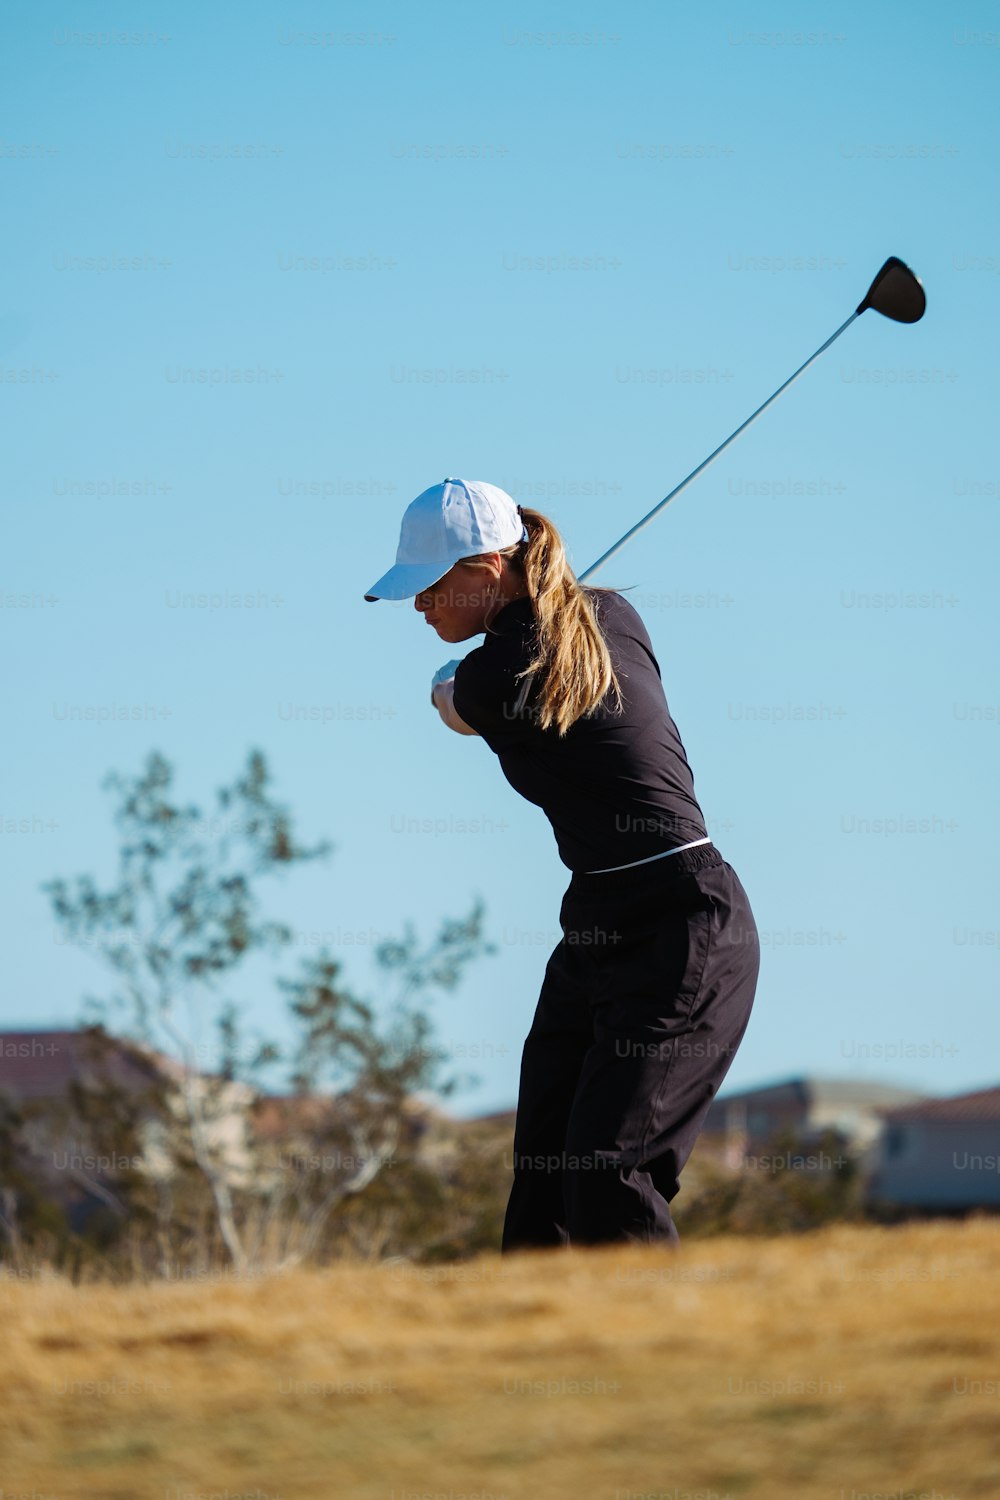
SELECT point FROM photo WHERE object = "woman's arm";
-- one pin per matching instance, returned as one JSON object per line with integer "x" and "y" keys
{"x": 442, "y": 696}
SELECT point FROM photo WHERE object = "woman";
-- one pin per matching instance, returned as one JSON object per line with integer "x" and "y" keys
{"x": 647, "y": 995}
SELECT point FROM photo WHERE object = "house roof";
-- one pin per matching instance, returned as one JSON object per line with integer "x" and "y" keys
{"x": 42, "y": 1064}
{"x": 817, "y": 1089}
{"x": 277, "y": 1116}
{"x": 860, "y": 1091}
{"x": 981, "y": 1104}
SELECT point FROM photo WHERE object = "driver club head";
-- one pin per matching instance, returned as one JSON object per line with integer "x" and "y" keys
{"x": 896, "y": 293}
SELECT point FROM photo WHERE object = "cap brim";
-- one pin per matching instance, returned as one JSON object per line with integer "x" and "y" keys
{"x": 405, "y": 580}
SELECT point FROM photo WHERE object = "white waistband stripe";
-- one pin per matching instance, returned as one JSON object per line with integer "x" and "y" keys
{"x": 695, "y": 843}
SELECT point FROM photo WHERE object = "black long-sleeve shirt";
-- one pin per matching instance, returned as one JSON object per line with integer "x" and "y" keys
{"x": 617, "y": 787}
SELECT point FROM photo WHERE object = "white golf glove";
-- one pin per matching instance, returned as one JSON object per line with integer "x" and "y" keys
{"x": 443, "y": 684}
{"x": 444, "y": 674}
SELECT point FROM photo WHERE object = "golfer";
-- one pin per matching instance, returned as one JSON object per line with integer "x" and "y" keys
{"x": 648, "y": 993}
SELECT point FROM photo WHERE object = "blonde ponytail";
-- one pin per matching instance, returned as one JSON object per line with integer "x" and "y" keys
{"x": 573, "y": 662}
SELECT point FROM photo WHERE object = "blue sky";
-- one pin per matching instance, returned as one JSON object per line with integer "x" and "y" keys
{"x": 567, "y": 258}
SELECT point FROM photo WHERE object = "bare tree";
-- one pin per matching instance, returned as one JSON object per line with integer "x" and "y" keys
{"x": 367, "y": 1075}
{"x": 182, "y": 916}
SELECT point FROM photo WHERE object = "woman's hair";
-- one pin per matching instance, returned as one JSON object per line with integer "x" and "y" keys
{"x": 573, "y": 662}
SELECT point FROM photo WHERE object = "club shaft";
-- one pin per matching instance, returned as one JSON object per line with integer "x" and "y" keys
{"x": 713, "y": 456}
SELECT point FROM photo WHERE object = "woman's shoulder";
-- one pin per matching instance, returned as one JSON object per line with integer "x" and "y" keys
{"x": 516, "y": 620}
{"x": 614, "y": 608}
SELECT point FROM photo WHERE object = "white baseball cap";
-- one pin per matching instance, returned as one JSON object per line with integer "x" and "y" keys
{"x": 454, "y": 519}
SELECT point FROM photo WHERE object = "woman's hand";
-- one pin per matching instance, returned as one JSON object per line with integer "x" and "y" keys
{"x": 443, "y": 674}
{"x": 443, "y": 700}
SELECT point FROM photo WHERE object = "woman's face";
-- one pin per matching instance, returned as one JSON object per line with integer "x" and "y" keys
{"x": 456, "y": 605}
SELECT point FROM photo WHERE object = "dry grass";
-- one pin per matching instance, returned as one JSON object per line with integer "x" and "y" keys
{"x": 830, "y": 1366}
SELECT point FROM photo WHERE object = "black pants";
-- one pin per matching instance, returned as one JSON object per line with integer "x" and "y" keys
{"x": 644, "y": 1002}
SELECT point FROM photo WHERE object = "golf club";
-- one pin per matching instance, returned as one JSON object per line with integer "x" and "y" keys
{"x": 896, "y": 293}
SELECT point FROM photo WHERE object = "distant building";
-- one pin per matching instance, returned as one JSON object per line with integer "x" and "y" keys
{"x": 38, "y": 1073}
{"x": 742, "y": 1124}
{"x": 252, "y": 1138}
{"x": 941, "y": 1155}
